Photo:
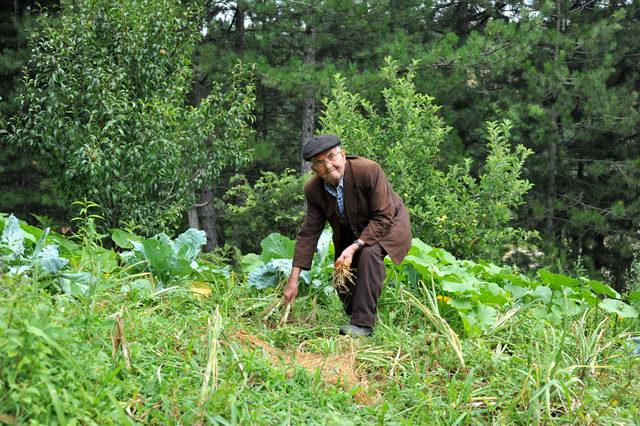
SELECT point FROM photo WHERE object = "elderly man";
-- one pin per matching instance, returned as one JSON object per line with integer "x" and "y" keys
{"x": 368, "y": 220}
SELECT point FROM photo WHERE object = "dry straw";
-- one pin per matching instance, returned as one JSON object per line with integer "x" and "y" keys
{"x": 343, "y": 278}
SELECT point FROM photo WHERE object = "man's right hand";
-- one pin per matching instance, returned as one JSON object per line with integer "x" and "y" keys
{"x": 291, "y": 289}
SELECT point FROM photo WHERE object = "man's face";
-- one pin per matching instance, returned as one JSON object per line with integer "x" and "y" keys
{"x": 329, "y": 165}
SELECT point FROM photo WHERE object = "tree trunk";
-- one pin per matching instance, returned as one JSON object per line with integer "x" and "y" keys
{"x": 551, "y": 188}
{"x": 205, "y": 195}
{"x": 309, "y": 102}
{"x": 16, "y": 15}
{"x": 553, "y": 142}
{"x": 209, "y": 222}
{"x": 238, "y": 40}
{"x": 394, "y": 7}
{"x": 192, "y": 215}
{"x": 462, "y": 19}
{"x": 309, "y": 108}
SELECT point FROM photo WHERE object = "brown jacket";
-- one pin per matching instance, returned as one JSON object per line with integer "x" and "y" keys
{"x": 374, "y": 211}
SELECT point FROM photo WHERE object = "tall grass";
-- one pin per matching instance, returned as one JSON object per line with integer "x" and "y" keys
{"x": 187, "y": 364}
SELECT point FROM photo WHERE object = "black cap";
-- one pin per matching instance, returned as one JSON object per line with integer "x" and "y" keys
{"x": 318, "y": 144}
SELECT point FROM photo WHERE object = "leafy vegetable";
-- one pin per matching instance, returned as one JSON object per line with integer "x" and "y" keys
{"x": 274, "y": 263}
{"x": 171, "y": 260}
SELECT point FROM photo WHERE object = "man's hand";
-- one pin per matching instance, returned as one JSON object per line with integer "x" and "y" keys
{"x": 346, "y": 258}
{"x": 291, "y": 289}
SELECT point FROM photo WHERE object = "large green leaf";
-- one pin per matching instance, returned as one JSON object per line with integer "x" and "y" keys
{"x": 426, "y": 266}
{"x": 589, "y": 297}
{"x": 249, "y": 262}
{"x": 492, "y": 293}
{"x": 97, "y": 257}
{"x": 67, "y": 247}
{"x": 564, "y": 306}
{"x": 269, "y": 274}
{"x": 277, "y": 246}
{"x": 479, "y": 318}
{"x": 461, "y": 305}
{"x": 123, "y": 238}
{"x": 519, "y": 280}
{"x": 557, "y": 281}
{"x": 322, "y": 259}
{"x": 618, "y": 307}
{"x": 32, "y": 233}
{"x": 419, "y": 248}
{"x": 189, "y": 243}
{"x": 444, "y": 256}
{"x": 517, "y": 292}
{"x": 13, "y": 237}
{"x": 48, "y": 259}
{"x": 159, "y": 257}
{"x": 76, "y": 284}
{"x": 458, "y": 287}
{"x": 543, "y": 293}
{"x": 602, "y": 288}
{"x": 211, "y": 274}
{"x": 492, "y": 268}
{"x": 181, "y": 267}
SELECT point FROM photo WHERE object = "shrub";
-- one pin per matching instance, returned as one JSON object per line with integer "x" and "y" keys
{"x": 274, "y": 203}
{"x": 449, "y": 206}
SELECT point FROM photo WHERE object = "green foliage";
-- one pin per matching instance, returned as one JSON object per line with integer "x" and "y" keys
{"x": 16, "y": 260}
{"x": 563, "y": 74}
{"x": 448, "y": 208}
{"x": 105, "y": 107}
{"x": 273, "y": 265}
{"x": 479, "y": 294}
{"x": 273, "y": 203}
{"x": 172, "y": 261}
{"x": 58, "y": 263}
{"x": 58, "y": 363}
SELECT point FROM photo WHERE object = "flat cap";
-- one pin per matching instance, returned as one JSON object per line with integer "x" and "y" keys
{"x": 318, "y": 144}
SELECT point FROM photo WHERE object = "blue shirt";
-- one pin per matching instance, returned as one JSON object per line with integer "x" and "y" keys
{"x": 338, "y": 193}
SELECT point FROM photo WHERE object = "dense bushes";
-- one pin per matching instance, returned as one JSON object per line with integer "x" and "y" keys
{"x": 250, "y": 212}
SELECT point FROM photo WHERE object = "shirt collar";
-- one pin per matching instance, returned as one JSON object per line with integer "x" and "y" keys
{"x": 332, "y": 189}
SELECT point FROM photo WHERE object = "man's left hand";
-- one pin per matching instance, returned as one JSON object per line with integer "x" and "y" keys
{"x": 347, "y": 256}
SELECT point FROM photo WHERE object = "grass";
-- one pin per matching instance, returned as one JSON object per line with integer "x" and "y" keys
{"x": 220, "y": 360}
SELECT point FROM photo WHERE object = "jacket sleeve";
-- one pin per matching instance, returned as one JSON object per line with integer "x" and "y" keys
{"x": 381, "y": 207}
{"x": 309, "y": 234}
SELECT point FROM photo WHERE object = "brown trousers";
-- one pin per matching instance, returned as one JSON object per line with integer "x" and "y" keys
{"x": 360, "y": 300}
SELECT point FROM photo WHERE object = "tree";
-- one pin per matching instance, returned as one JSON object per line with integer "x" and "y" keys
{"x": 25, "y": 186}
{"x": 563, "y": 73}
{"x": 297, "y": 47}
{"x": 105, "y": 107}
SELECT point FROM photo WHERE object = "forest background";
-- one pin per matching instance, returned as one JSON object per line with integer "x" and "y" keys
{"x": 510, "y": 128}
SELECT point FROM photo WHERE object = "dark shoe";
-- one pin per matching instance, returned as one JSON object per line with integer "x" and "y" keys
{"x": 355, "y": 330}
